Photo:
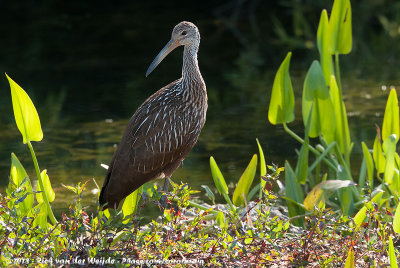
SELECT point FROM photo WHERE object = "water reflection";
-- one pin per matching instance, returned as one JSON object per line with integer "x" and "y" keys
{"x": 72, "y": 152}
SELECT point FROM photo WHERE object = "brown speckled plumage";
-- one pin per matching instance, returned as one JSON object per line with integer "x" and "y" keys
{"x": 164, "y": 128}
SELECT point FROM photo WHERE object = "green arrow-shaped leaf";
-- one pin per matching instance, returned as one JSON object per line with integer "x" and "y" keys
{"x": 25, "y": 114}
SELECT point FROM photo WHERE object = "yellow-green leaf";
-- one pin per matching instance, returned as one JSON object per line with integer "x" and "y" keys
{"x": 281, "y": 106}
{"x": 392, "y": 254}
{"x": 389, "y": 147}
{"x": 379, "y": 158}
{"x": 369, "y": 163}
{"x": 316, "y": 95}
{"x": 350, "y": 260}
{"x": 131, "y": 201}
{"x": 245, "y": 182}
{"x": 25, "y": 114}
{"x": 342, "y": 133}
{"x": 19, "y": 178}
{"x": 340, "y": 25}
{"x": 218, "y": 178}
{"x": 47, "y": 187}
{"x": 396, "y": 220}
{"x": 263, "y": 166}
{"x": 362, "y": 213}
{"x": 391, "y": 117}
{"x": 323, "y": 42}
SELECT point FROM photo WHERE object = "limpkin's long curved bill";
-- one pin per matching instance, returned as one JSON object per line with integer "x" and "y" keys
{"x": 171, "y": 45}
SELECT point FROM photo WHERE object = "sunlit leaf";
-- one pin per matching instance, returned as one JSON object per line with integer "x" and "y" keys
{"x": 220, "y": 219}
{"x": 369, "y": 163}
{"x": 316, "y": 95}
{"x": 323, "y": 190}
{"x": 362, "y": 213}
{"x": 218, "y": 178}
{"x": 294, "y": 192}
{"x": 350, "y": 260}
{"x": 340, "y": 25}
{"x": 19, "y": 178}
{"x": 131, "y": 202}
{"x": 245, "y": 182}
{"x": 41, "y": 218}
{"x": 379, "y": 158}
{"x": 389, "y": 147}
{"x": 392, "y": 254}
{"x": 25, "y": 114}
{"x": 263, "y": 166}
{"x": 396, "y": 220}
{"x": 281, "y": 106}
{"x": 47, "y": 187}
{"x": 323, "y": 42}
{"x": 391, "y": 118}
{"x": 342, "y": 133}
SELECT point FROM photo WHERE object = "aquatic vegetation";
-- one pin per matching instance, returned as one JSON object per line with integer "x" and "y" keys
{"x": 329, "y": 218}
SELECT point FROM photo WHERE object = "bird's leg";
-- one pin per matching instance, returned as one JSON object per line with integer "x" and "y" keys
{"x": 163, "y": 199}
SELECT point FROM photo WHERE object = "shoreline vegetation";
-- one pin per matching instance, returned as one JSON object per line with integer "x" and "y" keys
{"x": 315, "y": 214}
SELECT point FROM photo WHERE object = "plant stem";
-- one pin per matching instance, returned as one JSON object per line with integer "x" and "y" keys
{"x": 343, "y": 115}
{"x": 44, "y": 195}
{"x": 312, "y": 149}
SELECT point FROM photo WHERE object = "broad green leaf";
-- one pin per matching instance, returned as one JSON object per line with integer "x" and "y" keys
{"x": 396, "y": 220}
{"x": 323, "y": 42}
{"x": 350, "y": 260}
{"x": 391, "y": 117}
{"x": 218, "y": 178}
{"x": 47, "y": 187}
{"x": 342, "y": 133}
{"x": 389, "y": 147}
{"x": 323, "y": 190}
{"x": 379, "y": 158}
{"x": 362, "y": 213}
{"x": 340, "y": 26}
{"x": 293, "y": 192}
{"x": 19, "y": 178}
{"x": 25, "y": 114}
{"x": 245, "y": 182}
{"x": 316, "y": 95}
{"x": 369, "y": 163}
{"x": 281, "y": 106}
{"x": 392, "y": 254}
{"x": 131, "y": 202}
{"x": 263, "y": 166}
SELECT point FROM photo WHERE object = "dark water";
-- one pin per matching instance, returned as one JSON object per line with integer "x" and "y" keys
{"x": 83, "y": 66}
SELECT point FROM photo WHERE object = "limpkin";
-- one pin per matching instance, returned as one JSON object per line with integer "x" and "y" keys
{"x": 164, "y": 128}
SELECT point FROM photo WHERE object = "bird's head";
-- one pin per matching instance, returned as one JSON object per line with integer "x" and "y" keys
{"x": 184, "y": 34}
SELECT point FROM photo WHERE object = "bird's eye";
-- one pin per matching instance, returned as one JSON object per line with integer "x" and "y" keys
{"x": 184, "y": 33}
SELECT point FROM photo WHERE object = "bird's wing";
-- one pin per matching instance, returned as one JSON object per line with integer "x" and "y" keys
{"x": 155, "y": 140}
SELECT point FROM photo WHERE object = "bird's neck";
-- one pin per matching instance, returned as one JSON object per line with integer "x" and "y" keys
{"x": 191, "y": 75}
